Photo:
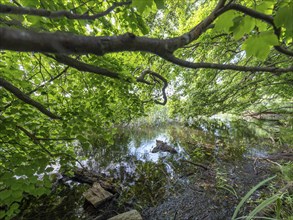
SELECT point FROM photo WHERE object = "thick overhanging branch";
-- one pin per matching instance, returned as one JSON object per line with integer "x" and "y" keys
{"x": 25, "y": 98}
{"x": 58, "y": 43}
{"x": 8, "y": 9}
{"x": 66, "y": 43}
{"x": 217, "y": 66}
{"x": 20, "y": 40}
{"x": 61, "y": 44}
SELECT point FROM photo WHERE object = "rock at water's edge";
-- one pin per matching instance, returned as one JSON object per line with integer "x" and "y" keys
{"x": 96, "y": 195}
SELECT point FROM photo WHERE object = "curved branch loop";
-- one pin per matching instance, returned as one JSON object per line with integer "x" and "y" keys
{"x": 157, "y": 78}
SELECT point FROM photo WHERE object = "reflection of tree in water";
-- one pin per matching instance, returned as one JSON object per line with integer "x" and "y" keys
{"x": 147, "y": 185}
{"x": 237, "y": 134}
{"x": 142, "y": 134}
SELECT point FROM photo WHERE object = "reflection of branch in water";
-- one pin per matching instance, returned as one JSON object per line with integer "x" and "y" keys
{"x": 157, "y": 78}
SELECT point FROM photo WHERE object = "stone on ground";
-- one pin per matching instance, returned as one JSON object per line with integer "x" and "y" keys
{"x": 96, "y": 195}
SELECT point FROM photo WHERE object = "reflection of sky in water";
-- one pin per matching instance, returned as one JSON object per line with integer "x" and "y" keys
{"x": 139, "y": 146}
{"x": 143, "y": 151}
{"x": 255, "y": 152}
{"x": 204, "y": 128}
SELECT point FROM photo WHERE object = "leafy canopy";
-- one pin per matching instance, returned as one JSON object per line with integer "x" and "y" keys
{"x": 70, "y": 71}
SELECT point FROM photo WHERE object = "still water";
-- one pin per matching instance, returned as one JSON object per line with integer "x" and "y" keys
{"x": 146, "y": 179}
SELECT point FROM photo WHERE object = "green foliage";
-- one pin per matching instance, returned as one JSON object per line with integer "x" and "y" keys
{"x": 160, "y": 4}
{"x": 243, "y": 200}
{"x": 287, "y": 171}
{"x": 260, "y": 45}
{"x": 91, "y": 106}
{"x": 15, "y": 189}
{"x": 243, "y": 26}
{"x": 226, "y": 21}
{"x": 263, "y": 205}
{"x": 142, "y": 5}
{"x": 147, "y": 6}
{"x": 277, "y": 206}
{"x": 265, "y": 6}
{"x": 87, "y": 103}
{"x": 283, "y": 19}
{"x": 257, "y": 45}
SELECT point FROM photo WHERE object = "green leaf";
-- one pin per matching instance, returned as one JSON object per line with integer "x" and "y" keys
{"x": 160, "y": 4}
{"x": 261, "y": 206}
{"x": 14, "y": 207}
{"x": 16, "y": 186}
{"x": 254, "y": 46}
{"x": 13, "y": 210}
{"x": 5, "y": 194}
{"x": 260, "y": 45}
{"x": 262, "y": 26}
{"x": 250, "y": 192}
{"x": 17, "y": 194}
{"x": 2, "y": 214}
{"x": 29, "y": 188}
{"x": 266, "y": 7}
{"x": 245, "y": 26}
{"x": 225, "y": 21}
{"x": 269, "y": 37}
{"x": 142, "y": 5}
{"x": 284, "y": 17}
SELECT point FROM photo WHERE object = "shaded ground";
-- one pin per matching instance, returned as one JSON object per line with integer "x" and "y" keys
{"x": 208, "y": 196}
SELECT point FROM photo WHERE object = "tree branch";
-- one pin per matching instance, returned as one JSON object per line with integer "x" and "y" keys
{"x": 284, "y": 51}
{"x": 258, "y": 15}
{"x": 180, "y": 62}
{"x": 255, "y": 14}
{"x": 25, "y": 98}
{"x": 34, "y": 139}
{"x": 38, "y": 87}
{"x": 37, "y": 142}
{"x": 48, "y": 81}
{"x": 85, "y": 67}
{"x": 66, "y": 43}
{"x": 142, "y": 79}
{"x": 8, "y": 9}
{"x": 60, "y": 44}
{"x": 197, "y": 31}
{"x": 22, "y": 40}
{"x": 94, "y": 69}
